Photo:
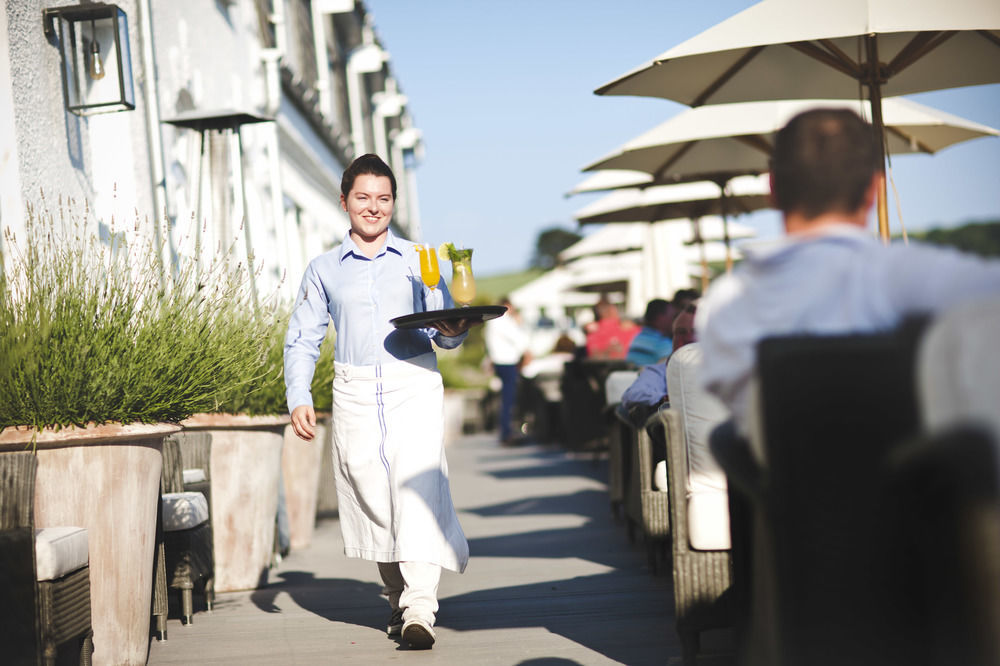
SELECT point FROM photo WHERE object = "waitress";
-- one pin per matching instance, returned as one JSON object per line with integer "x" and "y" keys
{"x": 389, "y": 462}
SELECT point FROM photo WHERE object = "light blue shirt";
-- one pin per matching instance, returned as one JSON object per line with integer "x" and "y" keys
{"x": 360, "y": 295}
{"x": 839, "y": 280}
{"x": 649, "y": 346}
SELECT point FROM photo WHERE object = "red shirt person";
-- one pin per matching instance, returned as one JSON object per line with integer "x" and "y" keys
{"x": 609, "y": 336}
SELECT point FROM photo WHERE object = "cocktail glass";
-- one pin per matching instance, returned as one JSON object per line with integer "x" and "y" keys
{"x": 463, "y": 284}
{"x": 429, "y": 271}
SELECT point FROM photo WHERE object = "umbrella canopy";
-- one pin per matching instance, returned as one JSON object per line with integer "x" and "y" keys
{"x": 624, "y": 237}
{"x": 785, "y": 49}
{"x": 667, "y": 202}
{"x": 611, "y": 179}
{"x": 722, "y": 140}
{"x": 802, "y": 49}
{"x": 689, "y": 200}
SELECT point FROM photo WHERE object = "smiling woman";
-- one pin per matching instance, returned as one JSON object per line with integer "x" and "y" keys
{"x": 368, "y": 195}
{"x": 390, "y": 467}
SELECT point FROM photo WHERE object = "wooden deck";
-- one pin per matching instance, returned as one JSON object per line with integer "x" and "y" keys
{"x": 552, "y": 580}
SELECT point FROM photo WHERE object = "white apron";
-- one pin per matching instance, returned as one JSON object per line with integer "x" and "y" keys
{"x": 389, "y": 463}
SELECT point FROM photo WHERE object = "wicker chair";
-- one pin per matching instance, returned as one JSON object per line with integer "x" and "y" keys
{"x": 620, "y": 436}
{"x": 698, "y": 503}
{"x": 835, "y": 577}
{"x": 39, "y": 616}
{"x": 184, "y": 549}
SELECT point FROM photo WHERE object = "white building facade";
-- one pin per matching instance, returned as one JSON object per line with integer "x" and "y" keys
{"x": 246, "y": 113}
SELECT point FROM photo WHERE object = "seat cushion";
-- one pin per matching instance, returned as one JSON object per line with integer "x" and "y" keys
{"x": 196, "y": 475}
{"x": 59, "y": 551}
{"x": 700, "y": 413}
{"x": 708, "y": 520}
{"x": 660, "y": 476}
{"x": 183, "y": 511}
{"x": 707, "y": 490}
{"x": 616, "y": 383}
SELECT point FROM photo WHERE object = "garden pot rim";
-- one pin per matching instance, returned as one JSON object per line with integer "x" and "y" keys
{"x": 235, "y": 421}
{"x": 19, "y": 437}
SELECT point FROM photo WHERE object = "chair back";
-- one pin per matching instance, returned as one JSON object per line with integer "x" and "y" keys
{"x": 951, "y": 478}
{"x": 18, "y": 601}
{"x": 832, "y": 411}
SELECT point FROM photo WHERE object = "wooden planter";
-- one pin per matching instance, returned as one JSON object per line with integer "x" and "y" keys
{"x": 246, "y": 462}
{"x": 107, "y": 479}
{"x": 301, "y": 464}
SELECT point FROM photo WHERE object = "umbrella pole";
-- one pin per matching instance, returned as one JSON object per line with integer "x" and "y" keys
{"x": 696, "y": 224}
{"x": 878, "y": 126}
{"x": 723, "y": 205}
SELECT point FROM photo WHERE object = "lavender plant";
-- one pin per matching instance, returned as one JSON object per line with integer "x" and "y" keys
{"x": 92, "y": 330}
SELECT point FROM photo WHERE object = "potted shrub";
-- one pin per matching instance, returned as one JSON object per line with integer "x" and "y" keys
{"x": 102, "y": 353}
{"x": 252, "y": 449}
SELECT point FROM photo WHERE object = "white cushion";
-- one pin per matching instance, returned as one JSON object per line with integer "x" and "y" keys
{"x": 707, "y": 490}
{"x": 183, "y": 511}
{"x": 708, "y": 520}
{"x": 59, "y": 551}
{"x": 700, "y": 413}
{"x": 616, "y": 383}
{"x": 958, "y": 367}
{"x": 196, "y": 475}
{"x": 660, "y": 476}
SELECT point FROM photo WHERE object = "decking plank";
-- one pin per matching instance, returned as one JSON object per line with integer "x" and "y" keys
{"x": 552, "y": 580}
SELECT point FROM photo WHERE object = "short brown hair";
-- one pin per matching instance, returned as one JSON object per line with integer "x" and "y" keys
{"x": 823, "y": 161}
{"x": 368, "y": 164}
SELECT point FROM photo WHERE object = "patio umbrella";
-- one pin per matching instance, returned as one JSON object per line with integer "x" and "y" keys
{"x": 687, "y": 200}
{"x": 719, "y": 141}
{"x": 795, "y": 49}
{"x": 611, "y": 179}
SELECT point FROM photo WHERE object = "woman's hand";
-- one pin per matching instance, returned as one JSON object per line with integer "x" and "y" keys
{"x": 454, "y": 327}
{"x": 304, "y": 422}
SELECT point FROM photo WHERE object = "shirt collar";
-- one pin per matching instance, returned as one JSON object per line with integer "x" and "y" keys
{"x": 766, "y": 250}
{"x": 349, "y": 247}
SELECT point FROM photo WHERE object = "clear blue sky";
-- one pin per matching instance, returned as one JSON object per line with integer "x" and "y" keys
{"x": 503, "y": 92}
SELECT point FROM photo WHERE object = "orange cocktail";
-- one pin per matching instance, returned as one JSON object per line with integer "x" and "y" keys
{"x": 429, "y": 271}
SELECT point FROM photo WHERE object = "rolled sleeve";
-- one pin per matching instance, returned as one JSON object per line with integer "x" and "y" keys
{"x": 307, "y": 327}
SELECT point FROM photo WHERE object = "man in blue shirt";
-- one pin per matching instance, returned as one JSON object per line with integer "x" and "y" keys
{"x": 653, "y": 342}
{"x": 829, "y": 275}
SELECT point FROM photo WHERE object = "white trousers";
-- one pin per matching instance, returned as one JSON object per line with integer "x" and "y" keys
{"x": 412, "y": 586}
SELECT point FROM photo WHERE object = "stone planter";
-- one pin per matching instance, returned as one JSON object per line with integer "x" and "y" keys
{"x": 246, "y": 462}
{"x": 107, "y": 479}
{"x": 326, "y": 502}
{"x": 301, "y": 465}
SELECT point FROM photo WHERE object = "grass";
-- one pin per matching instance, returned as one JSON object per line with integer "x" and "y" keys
{"x": 91, "y": 332}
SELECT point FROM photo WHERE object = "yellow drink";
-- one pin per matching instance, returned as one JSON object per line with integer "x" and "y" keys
{"x": 429, "y": 271}
{"x": 463, "y": 285}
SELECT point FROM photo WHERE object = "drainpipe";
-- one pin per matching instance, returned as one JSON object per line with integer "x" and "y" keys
{"x": 388, "y": 104}
{"x": 320, "y": 9}
{"x": 271, "y": 59}
{"x": 409, "y": 144}
{"x": 155, "y": 140}
{"x": 365, "y": 59}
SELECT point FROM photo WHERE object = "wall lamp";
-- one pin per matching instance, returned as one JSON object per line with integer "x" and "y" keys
{"x": 96, "y": 61}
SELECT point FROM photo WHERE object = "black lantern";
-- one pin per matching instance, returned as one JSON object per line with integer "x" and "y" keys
{"x": 97, "y": 65}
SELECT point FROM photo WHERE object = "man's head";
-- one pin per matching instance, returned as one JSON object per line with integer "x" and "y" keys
{"x": 658, "y": 316}
{"x": 824, "y": 161}
{"x": 684, "y": 326}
